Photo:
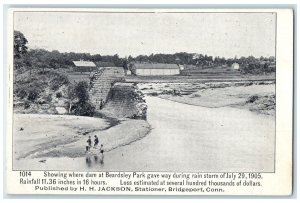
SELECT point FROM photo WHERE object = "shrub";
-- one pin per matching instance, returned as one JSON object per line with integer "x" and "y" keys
{"x": 83, "y": 109}
{"x": 81, "y": 91}
{"x": 55, "y": 86}
{"x": 195, "y": 95}
{"x": 48, "y": 98}
{"x": 26, "y": 105}
{"x": 252, "y": 99}
{"x": 58, "y": 81}
{"x": 30, "y": 91}
{"x": 153, "y": 94}
{"x": 33, "y": 94}
{"x": 21, "y": 93}
{"x": 58, "y": 95}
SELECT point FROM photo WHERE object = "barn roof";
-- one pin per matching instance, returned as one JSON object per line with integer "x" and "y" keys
{"x": 104, "y": 64}
{"x": 155, "y": 66}
{"x": 84, "y": 64}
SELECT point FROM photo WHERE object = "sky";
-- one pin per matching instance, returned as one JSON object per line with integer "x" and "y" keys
{"x": 215, "y": 34}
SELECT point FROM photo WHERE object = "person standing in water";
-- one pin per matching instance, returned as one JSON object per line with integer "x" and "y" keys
{"x": 101, "y": 104}
{"x": 96, "y": 141}
{"x": 102, "y": 153}
{"x": 89, "y": 141}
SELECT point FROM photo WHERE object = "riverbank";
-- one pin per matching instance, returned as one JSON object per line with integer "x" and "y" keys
{"x": 258, "y": 97}
{"x": 185, "y": 138}
{"x": 42, "y": 136}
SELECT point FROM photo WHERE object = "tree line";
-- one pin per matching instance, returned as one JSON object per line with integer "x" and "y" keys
{"x": 43, "y": 59}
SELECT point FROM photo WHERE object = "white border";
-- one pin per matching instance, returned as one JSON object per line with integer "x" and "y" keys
{"x": 135, "y": 2}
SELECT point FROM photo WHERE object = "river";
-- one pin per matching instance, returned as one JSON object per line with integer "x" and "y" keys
{"x": 188, "y": 138}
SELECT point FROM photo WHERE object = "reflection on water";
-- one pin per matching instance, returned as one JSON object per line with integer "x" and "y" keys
{"x": 96, "y": 158}
{"x": 92, "y": 162}
{"x": 88, "y": 161}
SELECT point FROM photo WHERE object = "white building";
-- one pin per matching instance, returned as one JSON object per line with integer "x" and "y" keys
{"x": 154, "y": 69}
{"x": 235, "y": 66}
{"x": 128, "y": 72}
{"x": 84, "y": 66}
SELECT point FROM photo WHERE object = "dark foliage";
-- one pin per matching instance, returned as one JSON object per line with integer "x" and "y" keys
{"x": 21, "y": 93}
{"x": 83, "y": 109}
{"x": 58, "y": 95}
{"x": 26, "y": 105}
{"x": 33, "y": 94}
{"x": 81, "y": 91}
{"x": 252, "y": 99}
{"x": 20, "y": 48}
{"x": 40, "y": 59}
{"x": 58, "y": 81}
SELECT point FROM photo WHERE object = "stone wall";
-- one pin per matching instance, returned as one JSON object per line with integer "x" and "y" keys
{"x": 101, "y": 83}
{"x": 125, "y": 101}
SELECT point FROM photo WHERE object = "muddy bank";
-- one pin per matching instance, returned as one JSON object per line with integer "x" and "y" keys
{"x": 254, "y": 96}
{"x": 41, "y": 136}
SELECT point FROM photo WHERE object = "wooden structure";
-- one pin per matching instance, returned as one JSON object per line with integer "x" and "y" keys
{"x": 154, "y": 69}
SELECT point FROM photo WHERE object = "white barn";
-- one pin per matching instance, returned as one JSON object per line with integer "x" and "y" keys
{"x": 155, "y": 69}
{"x": 84, "y": 66}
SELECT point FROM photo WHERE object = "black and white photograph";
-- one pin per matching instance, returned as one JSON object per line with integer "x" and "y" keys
{"x": 145, "y": 91}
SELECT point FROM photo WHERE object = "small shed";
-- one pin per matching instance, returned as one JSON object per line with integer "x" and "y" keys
{"x": 128, "y": 72}
{"x": 84, "y": 66}
{"x": 235, "y": 66}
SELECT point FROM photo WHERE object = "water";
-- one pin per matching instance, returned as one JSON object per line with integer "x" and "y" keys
{"x": 186, "y": 138}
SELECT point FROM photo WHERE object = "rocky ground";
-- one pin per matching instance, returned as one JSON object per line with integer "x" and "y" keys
{"x": 255, "y": 96}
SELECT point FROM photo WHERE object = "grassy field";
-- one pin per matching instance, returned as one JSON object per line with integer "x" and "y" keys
{"x": 205, "y": 77}
{"x": 191, "y": 76}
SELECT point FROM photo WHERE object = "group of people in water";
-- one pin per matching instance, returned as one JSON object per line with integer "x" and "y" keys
{"x": 96, "y": 142}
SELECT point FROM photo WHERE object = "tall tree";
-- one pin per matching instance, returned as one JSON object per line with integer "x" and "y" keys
{"x": 20, "y": 50}
{"x": 20, "y": 42}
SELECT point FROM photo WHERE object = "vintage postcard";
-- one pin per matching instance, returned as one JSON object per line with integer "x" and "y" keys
{"x": 149, "y": 101}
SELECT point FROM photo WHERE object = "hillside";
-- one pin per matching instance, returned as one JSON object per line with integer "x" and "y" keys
{"x": 43, "y": 92}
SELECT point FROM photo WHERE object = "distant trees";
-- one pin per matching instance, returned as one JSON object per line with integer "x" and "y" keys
{"x": 219, "y": 61}
{"x": 40, "y": 59}
{"x": 261, "y": 65}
